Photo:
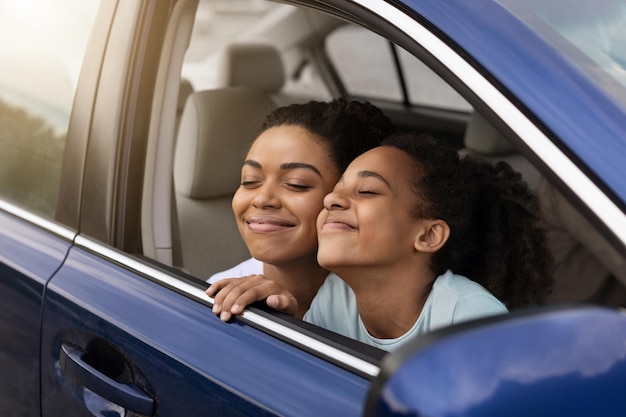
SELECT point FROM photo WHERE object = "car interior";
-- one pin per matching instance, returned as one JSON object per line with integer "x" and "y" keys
{"x": 229, "y": 63}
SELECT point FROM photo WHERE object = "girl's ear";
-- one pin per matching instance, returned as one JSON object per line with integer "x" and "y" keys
{"x": 432, "y": 236}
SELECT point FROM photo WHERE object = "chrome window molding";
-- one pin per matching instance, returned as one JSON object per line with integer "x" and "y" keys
{"x": 37, "y": 220}
{"x": 540, "y": 144}
{"x": 318, "y": 347}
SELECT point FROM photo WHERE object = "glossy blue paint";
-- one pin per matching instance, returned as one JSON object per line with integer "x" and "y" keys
{"x": 585, "y": 119}
{"x": 560, "y": 363}
{"x": 28, "y": 258}
{"x": 190, "y": 361}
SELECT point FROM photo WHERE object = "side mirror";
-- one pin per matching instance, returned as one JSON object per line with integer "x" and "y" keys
{"x": 566, "y": 361}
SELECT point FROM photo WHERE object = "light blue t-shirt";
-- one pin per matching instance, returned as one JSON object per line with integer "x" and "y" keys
{"x": 248, "y": 267}
{"x": 453, "y": 299}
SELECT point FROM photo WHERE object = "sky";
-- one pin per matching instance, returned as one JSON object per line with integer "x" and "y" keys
{"x": 41, "y": 53}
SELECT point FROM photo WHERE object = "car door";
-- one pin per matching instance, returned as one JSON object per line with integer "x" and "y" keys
{"x": 31, "y": 250}
{"x": 120, "y": 335}
{"x": 125, "y": 335}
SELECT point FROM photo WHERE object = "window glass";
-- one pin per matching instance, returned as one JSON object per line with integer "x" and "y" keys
{"x": 41, "y": 53}
{"x": 370, "y": 72}
{"x": 222, "y": 22}
{"x": 218, "y": 22}
{"x": 365, "y": 72}
{"x": 428, "y": 89}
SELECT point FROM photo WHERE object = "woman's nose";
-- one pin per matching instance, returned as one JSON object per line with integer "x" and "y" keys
{"x": 335, "y": 201}
{"x": 266, "y": 197}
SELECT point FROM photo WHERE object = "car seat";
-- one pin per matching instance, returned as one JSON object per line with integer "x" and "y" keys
{"x": 215, "y": 130}
{"x": 255, "y": 65}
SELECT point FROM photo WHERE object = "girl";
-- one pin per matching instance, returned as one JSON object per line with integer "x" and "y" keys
{"x": 418, "y": 235}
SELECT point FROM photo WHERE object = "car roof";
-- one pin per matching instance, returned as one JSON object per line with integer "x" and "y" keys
{"x": 581, "y": 117}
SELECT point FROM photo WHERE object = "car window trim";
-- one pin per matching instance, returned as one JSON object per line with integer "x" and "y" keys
{"x": 41, "y": 222}
{"x": 399, "y": 70}
{"x": 369, "y": 369}
{"x": 543, "y": 148}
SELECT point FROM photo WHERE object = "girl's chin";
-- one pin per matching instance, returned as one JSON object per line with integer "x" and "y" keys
{"x": 333, "y": 262}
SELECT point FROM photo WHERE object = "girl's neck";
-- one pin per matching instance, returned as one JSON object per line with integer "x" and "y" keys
{"x": 301, "y": 278}
{"x": 389, "y": 302}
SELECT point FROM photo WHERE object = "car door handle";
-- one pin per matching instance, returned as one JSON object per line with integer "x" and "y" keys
{"x": 129, "y": 396}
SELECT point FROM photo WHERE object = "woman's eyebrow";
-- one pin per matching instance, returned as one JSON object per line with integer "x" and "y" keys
{"x": 367, "y": 174}
{"x": 300, "y": 165}
{"x": 253, "y": 163}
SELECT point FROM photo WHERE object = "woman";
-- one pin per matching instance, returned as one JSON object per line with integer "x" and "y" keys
{"x": 291, "y": 165}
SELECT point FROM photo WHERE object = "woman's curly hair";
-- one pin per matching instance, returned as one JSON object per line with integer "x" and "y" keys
{"x": 495, "y": 236}
{"x": 348, "y": 127}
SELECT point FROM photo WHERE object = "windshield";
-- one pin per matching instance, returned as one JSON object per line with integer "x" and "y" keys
{"x": 591, "y": 34}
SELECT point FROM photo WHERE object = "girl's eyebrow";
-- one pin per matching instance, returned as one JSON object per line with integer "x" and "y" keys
{"x": 367, "y": 174}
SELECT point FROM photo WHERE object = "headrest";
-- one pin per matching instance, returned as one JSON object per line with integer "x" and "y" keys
{"x": 215, "y": 129}
{"x": 481, "y": 137}
{"x": 251, "y": 65}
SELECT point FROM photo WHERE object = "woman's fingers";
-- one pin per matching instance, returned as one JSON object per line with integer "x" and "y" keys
{"x": 232, "y": 296}
{"x": 226, "y": 292}
{"x": 285, "y": 303}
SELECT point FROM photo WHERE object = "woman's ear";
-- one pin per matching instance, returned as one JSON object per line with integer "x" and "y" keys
{"x": 432, "y": 236}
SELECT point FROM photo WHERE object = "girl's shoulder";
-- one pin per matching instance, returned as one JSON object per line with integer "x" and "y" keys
{"x": 463, "y": 298}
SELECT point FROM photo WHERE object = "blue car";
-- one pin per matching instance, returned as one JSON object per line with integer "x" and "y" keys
{"x": 112, "y": 110}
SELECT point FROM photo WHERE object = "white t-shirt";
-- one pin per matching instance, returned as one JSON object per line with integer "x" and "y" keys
{"x": 248, "y": 267}
{"x": 453, "y": 299}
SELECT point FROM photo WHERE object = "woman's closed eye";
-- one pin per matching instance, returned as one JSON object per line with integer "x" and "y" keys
{"x": 250, "y": 183}
{"x": 297, "y": 187}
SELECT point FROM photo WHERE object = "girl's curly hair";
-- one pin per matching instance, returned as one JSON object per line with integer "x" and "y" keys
{"x": 495, "y": 236}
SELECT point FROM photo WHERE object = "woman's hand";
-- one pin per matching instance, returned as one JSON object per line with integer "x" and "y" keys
{"x": 232, "y": 295}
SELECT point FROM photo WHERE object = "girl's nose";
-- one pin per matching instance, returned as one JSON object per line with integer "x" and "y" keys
{"x": 335, "y": 201}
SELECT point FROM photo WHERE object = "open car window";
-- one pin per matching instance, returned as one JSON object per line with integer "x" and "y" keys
{"x": 314, "y": 56}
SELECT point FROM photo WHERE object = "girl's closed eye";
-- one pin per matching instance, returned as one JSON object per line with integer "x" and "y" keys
{"x": 367, "y": 192}
{"x": 368, "y": 188}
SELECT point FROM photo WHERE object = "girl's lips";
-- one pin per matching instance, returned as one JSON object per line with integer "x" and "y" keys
{"x": 336, "y": 224}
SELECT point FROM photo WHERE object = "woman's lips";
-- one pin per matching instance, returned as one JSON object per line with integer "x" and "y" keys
{"x": 267, "y": 223}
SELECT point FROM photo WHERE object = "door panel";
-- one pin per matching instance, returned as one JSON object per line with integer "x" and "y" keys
{"x": 174, "y": 350}
{"x": 29, "y": 256}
